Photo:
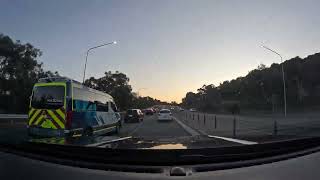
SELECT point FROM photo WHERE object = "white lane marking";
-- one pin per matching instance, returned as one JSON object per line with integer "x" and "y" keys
{"x": 234, "y": 140}
{"x": 189, "y": 130}
{"x": 109, "y": 141}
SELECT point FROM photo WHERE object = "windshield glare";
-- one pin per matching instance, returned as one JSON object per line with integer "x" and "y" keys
{"x": 159, "y": 74}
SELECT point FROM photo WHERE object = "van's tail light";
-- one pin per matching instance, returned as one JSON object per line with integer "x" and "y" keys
{"x": 69, "y": 119}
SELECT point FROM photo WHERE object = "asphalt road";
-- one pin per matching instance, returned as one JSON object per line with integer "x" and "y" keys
{"x": 13, "y": 131}
{"x": 151, "y": 127}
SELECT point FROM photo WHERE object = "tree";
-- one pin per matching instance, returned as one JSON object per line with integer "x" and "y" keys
{"x": 174, "y": 103}
{"x": 191, "y": 100}
{"x": 262, "y": 88}
{"x": 117, "y": 85}
{"x": 145, "y": 102}
{"x": 19, "y": 70}
{"x": 210, "y": 97}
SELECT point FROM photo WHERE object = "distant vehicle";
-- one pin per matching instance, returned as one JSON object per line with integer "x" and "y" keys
{"x": 193, "y": 110}
{"x": 181, "y": 109}
{"x": 165, "y": 115}
{"x": 133, "y": 115}
{"x": 63, "y": 107}
{"x": 155, "y": 110}
{"x": 148, "y": 112}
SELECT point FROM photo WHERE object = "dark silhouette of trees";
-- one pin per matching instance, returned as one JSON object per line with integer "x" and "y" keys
{"x": 19, "y": 70}
{"x": 261, "y": 88}
{"x": 145, "y": 102}
{"x": 117, "y": 85}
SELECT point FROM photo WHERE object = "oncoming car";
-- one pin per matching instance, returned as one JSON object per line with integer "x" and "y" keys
{"x": 64, "y": 107}
{"x": 165, "y": 115}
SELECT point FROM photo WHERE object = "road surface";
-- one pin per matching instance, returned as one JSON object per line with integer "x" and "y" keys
{"x": 149, "y": 129}
{"x": 11, "y": 131}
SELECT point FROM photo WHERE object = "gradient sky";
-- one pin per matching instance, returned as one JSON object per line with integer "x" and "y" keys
{"x": 166, "y": 47}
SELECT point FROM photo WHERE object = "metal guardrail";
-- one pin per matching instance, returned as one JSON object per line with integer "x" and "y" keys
{"x": 13, "y": 116}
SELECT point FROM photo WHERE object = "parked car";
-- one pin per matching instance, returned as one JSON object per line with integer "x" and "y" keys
{"x": 133, "y": 115}
{"x": 148, "y": 112}
{"x": 165, "y": 115}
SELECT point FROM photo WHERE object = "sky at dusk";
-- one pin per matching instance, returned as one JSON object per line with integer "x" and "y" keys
{"x": 166, "y": 47}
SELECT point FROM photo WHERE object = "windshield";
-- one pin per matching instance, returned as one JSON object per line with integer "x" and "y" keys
{"x": 159, "y": 74}
{"x": 47, "y": 97}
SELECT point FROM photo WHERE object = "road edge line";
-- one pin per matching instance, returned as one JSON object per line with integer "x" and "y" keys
{"x": 188, "y": 129}
{"x": 234, "y": 140}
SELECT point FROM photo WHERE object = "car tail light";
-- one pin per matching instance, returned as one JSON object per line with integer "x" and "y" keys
{"x": 69, "y": 119}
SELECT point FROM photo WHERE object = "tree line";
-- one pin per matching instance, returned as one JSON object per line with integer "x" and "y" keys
{"x": 117, "y": 85}
{"x": 262, "y": 89}
{"x": 20, "y": 70}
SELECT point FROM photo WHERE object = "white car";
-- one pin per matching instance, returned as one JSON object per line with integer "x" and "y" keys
{"x": 165, "y": 115}
{"x": 193, "y": 110}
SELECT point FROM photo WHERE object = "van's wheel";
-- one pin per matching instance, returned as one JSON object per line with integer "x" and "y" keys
{"x": 88, "y": 131}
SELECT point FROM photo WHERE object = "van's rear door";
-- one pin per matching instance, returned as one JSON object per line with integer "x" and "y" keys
{"x": 48, "y": 106}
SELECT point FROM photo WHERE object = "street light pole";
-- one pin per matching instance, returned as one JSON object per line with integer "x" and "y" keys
{"x": 283, "y": 80}
{"x": 85, "y": 64}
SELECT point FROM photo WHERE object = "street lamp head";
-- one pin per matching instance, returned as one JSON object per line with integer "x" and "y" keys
{"x": 263, "y": 46}
{"x": 114, "y": 42}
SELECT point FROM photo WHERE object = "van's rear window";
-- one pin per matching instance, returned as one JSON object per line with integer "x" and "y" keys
{"x": 132, "y": 112}
{"x": 47, "y": 97}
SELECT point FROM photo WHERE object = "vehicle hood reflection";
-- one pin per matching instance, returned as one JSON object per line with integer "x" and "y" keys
{"x": 128, "y": 142}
